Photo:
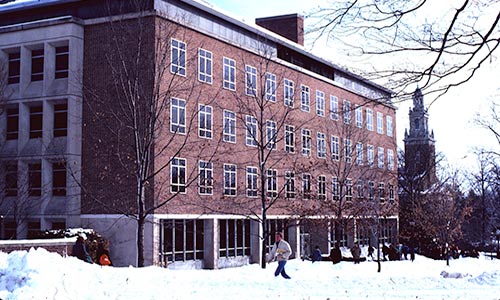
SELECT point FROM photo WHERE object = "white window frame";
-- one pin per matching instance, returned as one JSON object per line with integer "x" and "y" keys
{"x": 370, "y": 154}
{"x": 178, "y": 57}
{"x": 322, "y": 187}
{"x": 271, "y": 134}
{"x": 271, "y": 183}
{"x": 252, "y": 182}
{"x": 380, "y": 123}
{"x": 305, "y": 98}
{"x": 381, "y": 191}
{"x": 348, "y": 150}
{"x": 335, "y": 189}
{"x": 321, "y": 145}
{"x": 205, "y": 180}
{"x": 229, "y": 123}
{"x": 205, "y": 66}
{"x": 250, "y": 81}
{"x": 229, "y": 74}
{"x": 270, "y": 87}
{"x": 381, "y": 158}
{"x": 334, "y": 108}
{"x": 320, "y": 103}
{"x": 359, "y": 153}
{"x": 369, "y": 119}
{"x": 205, "y": 121}
{"x": 306, "y": 141}
{"x": 230, "y": 173}
{"x": 251, "y": 132}
{"x": 389, "y": 128}
{"x": 306, "y": 186}
{"x": 288, "y": 92}
{"x": 348, "y": 189}
{"x": 179, "y": 166}
{"x": 290, "y": 185}
{"x": 335, "y": 147}
{"x": 290, "y": 138}
{"x": 390, "y": 159}
{"x": 371, "y": 190}
{"x": 178, "y": 116}
{"x": 359, "y": 116}
{"x": 346, "y": 109}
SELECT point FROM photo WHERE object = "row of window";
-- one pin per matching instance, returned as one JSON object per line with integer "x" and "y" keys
{"x": 37, "y": 52}
{"x": 60, "y": 127}
{"x": 338, "y": 189}
{"x": 178, "y": 66}
{"x": 35, "y": 179}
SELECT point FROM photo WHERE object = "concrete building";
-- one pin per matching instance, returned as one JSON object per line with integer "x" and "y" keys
{"x": 243, "y": 118}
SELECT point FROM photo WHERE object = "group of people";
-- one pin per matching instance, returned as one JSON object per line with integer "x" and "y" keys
{"x": 398, "y": 252}
{"x": 102, "y": 256}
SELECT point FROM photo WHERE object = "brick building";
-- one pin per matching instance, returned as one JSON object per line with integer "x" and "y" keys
{"x": 240, "y": 119}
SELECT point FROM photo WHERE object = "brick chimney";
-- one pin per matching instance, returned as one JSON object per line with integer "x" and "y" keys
{"x": 288, "y": 26}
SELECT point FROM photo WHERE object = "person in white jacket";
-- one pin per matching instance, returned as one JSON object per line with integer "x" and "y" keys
{"x": 280, "y": 252}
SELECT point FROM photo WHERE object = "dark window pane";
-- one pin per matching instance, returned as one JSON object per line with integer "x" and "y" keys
{"x": 35, "y": 179}
{"x": 36, "y": 117}
{"x": 60, "y": 120}
{"x": 12, "y": 123}
{"x": 14, "y": 67}
{"x": 62, "y": 62}
{"x": 59, "y": 179}
{"x": 37, "y": 65}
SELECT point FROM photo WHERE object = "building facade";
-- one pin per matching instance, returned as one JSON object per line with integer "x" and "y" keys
{"x": 206, "y": 127}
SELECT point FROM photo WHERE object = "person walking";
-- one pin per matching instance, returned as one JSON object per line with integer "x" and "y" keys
{"x": 317, "y": 255}
{"x": 280, "y": 252}
{"x": 356, "y": 252}
{"x": 370, "y": 251}
{"x": 335, "y": 254}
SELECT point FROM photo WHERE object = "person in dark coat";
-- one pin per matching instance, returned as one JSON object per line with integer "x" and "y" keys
{"x": 80, "y": 251}
{"x": 316, "y": 254}
{"x": 370, "y": 251}
{"x": 335, "y": 255}
{"x": 356, "y": 252}
{"x": 385, "y": 251}
{"x": 102, "y": 254}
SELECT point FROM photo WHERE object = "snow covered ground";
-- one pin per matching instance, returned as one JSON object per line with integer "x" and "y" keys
{"x": 38, "y": 274}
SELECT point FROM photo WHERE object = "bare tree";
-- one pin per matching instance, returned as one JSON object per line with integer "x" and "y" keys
{"x": 452, "y": 41}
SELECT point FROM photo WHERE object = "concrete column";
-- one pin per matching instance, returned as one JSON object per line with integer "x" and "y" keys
{"x": 294, "y": 238}
{"x": 25, "y": 74}
{"x": 211, "y": 244}
{"x": 255, "y": 241}
{"x": 24, "y": 128}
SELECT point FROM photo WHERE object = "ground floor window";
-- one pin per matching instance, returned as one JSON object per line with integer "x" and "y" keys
{"x": 234, "y": 237}
{"x": 277, "y": 225}
{"x": 181, "y": 240}
{"x": 8, "y": 230}
{"x": 338, "y": 235}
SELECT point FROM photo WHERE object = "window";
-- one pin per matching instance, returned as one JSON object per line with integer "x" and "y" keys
{"x": 229, "y": 123}
{"x": 229, "y": 74}
{"x": 320, "y": 103}
{"x": 348, "y": 189}
{"x": 178, "y": 57}
{"x": 322, "y": 187}
{"x": 380, "y": 123}
{"x": 381, "y": 191}
{"x": 205, "y": 121}
{"x": 234, "y": 238}
{"x": 369, "y": 119}
{"x": 346, "y": 109}
{"x": 391, "y": 193}
{"x": 306, "y": 186}
{"x": 178, "y": 116}
{"x": 371, "y": 190}
{"x": 35, "y": 179}
{"x": 11, "y": 179}
{"x": 360, "y": 187}
{"x": 389, "y": 125}
{"x": 334, "y": 108}
{"x": 60, "y": 119}
{"x": 380, "y": 155}
{"x": 335, "y": 148}
{"x": 305, "y": 100}
{"x": 59, "y": 179}
{"x": 37, "y": 65}
{"x": 36, "y": 116}
{"x": 359, "y": 154}
{"x": 390, "y": 159}
{"x": 251, "y": 131}
{"x": 321, "y": 145}
{"x": 290, "y": 184}
{"x": 14, "y": 67}
{"x": 229, "y": 180}
{"x": 272, "y": 183}
{"x": 289, "y": 138}
{"x": 288, "y": 93}
{"x": 252, "y": 180}
{"x": 335, "y": 189}
{"x": 62, "y": 62}
{"x": 271, "y": 134}
{"x": 204, "y": 66}
{"x": 359, "y": 116}
{"x": 181, "y": 240}
{"x": 250, "y": 81}
{"x": 12, "y": 123}
{"x": 306, "y": 142}
{"x": 370, "y": 155}
{"x": 205, "y": 184}
{"x": 348, "y": 151}
{"x": 271, "y": 87}
{"x": 178, "y": 175}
